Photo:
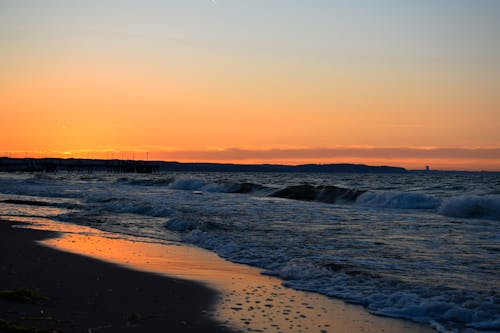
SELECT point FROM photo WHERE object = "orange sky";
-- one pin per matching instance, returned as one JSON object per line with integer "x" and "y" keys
{"x": 90, "y": 83}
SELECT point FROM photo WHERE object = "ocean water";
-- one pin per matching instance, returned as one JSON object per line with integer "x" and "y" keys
{"x": 419, "y": 246}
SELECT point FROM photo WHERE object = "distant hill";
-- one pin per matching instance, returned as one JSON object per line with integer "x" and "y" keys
{"x": 217, "y": 167}
{"x": 90, "y": 165}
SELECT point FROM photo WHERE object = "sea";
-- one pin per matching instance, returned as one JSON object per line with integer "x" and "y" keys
{"x": 423, "y": 246}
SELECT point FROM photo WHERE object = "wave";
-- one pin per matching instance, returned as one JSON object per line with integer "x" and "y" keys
{"x": 443, "y": 307}
{"x": 145, "y": 181}
{"x": 327, "y": 194}
{"x": 485, "y": 206}
{"x": 467, "y": 206}
{"x": 195, "y": 184}
{"x": 472, "y": 206}
{"x": 178, "y": 183}
{"x": 247, "y": 188}
{"x": 400, "y": 200}
{"x": 190, "y": 184}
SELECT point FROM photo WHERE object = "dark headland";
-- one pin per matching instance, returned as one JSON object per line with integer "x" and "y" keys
{"x": 119, "y": 166}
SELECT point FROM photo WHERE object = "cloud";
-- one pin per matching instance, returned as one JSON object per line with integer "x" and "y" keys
{"x": 325, "y": 153}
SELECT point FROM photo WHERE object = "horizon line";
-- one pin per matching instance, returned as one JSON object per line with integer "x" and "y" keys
{"x": 251, "y": 164}
{"x": 416, "y": 158}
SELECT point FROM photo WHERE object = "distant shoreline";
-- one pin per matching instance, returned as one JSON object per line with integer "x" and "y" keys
{"x": 140, "y": 166}
{"x": 82, "y": 165}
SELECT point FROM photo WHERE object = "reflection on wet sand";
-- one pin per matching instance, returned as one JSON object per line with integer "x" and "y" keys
{"x": 248, "y": 301}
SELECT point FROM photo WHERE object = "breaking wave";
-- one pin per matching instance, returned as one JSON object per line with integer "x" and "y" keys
{"x": 472, "y": 206}
{"x": 467, "y": 206}
{"x": 431, "y": 304}
{"x": 328, "y": 194}
{"x": 443, "y": 307}
{"x": 197, "y": 184}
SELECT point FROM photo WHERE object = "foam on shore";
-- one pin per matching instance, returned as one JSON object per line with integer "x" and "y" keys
{"x": 248, "y": 302}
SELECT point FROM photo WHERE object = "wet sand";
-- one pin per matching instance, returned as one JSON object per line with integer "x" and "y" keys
{"x": 247, "y": 300}
{"x": 66, "y": 292}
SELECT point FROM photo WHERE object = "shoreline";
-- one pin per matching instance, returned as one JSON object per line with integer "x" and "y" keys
{"x": 54, "y": 291}
{"x": 246, "y": 299}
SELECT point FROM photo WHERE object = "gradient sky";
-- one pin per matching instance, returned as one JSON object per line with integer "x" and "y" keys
{"x": 408, "y": 83}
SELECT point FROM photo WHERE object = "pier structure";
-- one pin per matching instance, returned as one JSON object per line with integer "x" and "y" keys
{"x": 71, "y": 165}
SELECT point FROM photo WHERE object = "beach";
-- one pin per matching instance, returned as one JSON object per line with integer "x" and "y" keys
{"x": 93, "y": 289}
{"x": 250, "y": 166}
{"x": 73, "y": 293}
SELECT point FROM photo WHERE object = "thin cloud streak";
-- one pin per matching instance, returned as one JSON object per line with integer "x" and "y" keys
{"x": 321, "y": 153}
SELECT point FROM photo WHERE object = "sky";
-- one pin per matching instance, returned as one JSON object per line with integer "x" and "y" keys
{"x": 388, "y": 82}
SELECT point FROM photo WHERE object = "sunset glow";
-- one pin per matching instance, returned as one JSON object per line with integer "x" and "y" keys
{"x": 392, "y": 82}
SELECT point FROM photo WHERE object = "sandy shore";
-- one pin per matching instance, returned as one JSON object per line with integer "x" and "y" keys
{"x": 66, "y": 292}
{"x": 87, "y": 293}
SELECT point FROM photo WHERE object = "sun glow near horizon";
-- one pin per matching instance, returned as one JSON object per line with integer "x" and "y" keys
{"x": 473, "y": 159}
{"x": 178, "y": 79}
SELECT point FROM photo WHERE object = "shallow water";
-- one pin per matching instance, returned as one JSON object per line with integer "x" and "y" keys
{"x": 418, "y": 246}
{"x": 247, "y": 301}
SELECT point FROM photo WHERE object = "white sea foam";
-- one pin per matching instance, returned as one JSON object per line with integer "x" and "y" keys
{"x": 445, "y": 308}
{"x": 472, "y": 206}
{"x": 196, "y": 184}
{"x": 187, "y": 183}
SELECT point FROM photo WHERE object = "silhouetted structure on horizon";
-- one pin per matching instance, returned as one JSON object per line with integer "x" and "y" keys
{"x": 130, "y": 166}
{"x": 76, "y": 165}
